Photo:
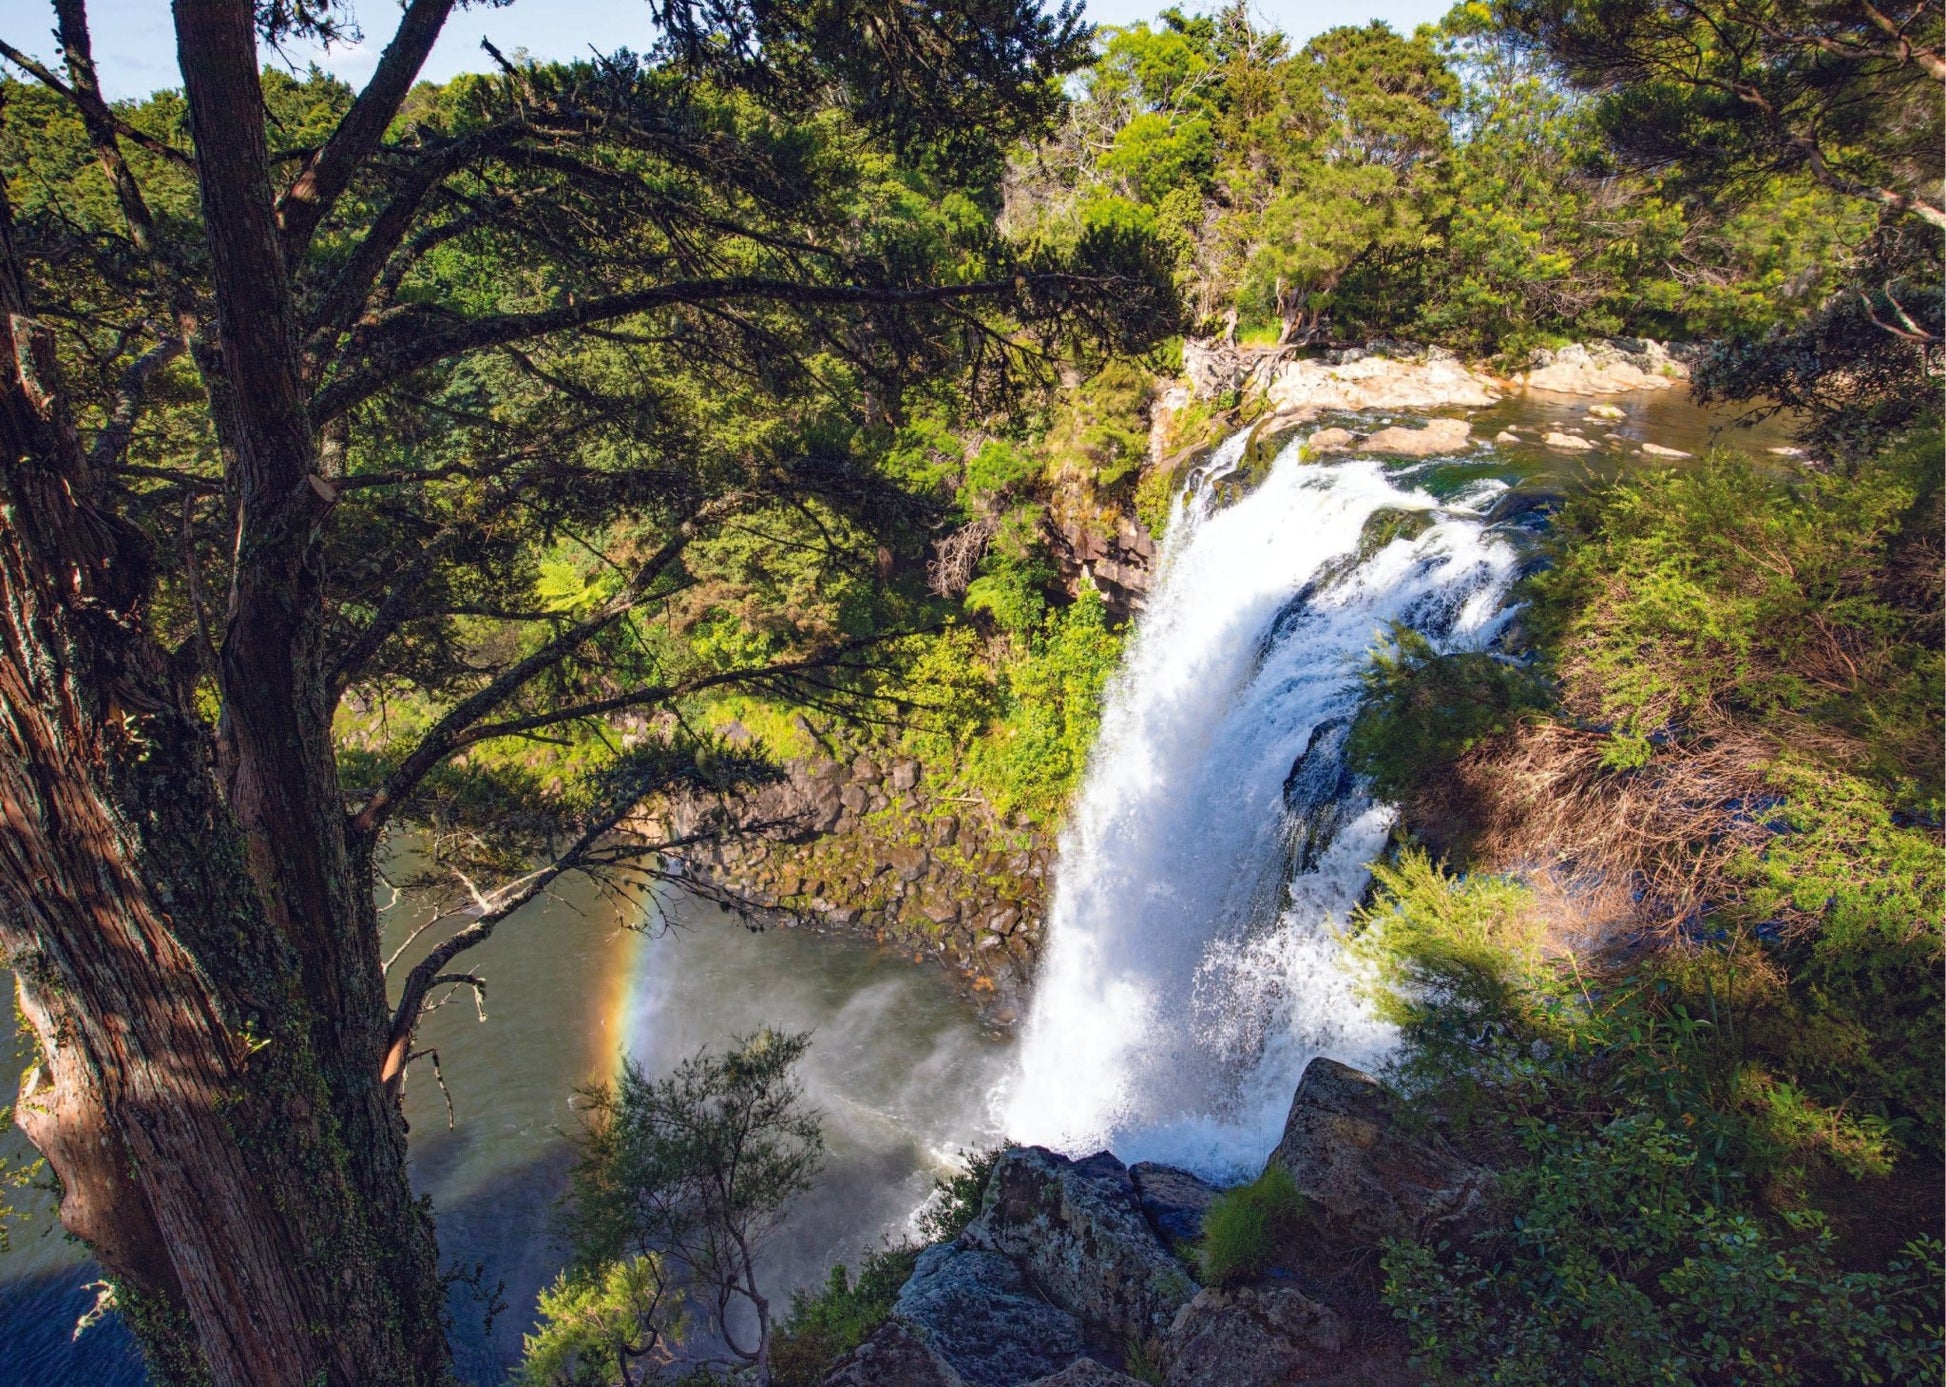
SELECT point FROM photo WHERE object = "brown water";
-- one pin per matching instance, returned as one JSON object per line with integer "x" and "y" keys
{"x": 899, "y": 1065}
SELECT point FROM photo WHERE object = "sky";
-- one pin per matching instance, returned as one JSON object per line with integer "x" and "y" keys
{"x": 135, "y": 48}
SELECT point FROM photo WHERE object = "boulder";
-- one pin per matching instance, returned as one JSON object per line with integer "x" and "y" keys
{"x": 1086, "y": 1372}
{"x": 1610, "y": 412}
{"x": 1077, "y": 1229}
{"x": 1172, "y": 1200}
{"x": 1256, "y": 1336}
{"x": 909, "y": 862}
{"x": 975, "y": 1312}
{"x": 1433, "y": 380}
{"x": 1656, "y": 450}
{"x": 894, "y": 1356}
{"x": 1506, "y": 436}
{"x": 1567, "y": 442}
{"x": 1329, "y": 441}
{"x": 1343, "y": 1149}
{"x": 1611, "y": 367}
{"x": 1438, "y": 436}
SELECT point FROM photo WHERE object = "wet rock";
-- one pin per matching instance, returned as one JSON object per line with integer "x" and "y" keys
{"x": 1086, "y": 1372}
{"x": 894, "y": 1356}
{"x": 1256, "y": 1336}
{"x": 1438, "y": 436}
{"x": 1506, "y": 436}
{"x": 1611, "y": 367}
{"x": 1567, "y": 442}
{"x": 1343, "y": 1150}
{"x": 1173, "y": 1201}
{"x": 1656, "y": 450}
{"x": 1329, "y": 441}
{"x": 1077, "y": 1229}
{"x": 974, "y": 1310}
{"x": 1320, "y": 793}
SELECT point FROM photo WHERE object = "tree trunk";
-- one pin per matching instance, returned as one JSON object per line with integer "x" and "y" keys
{"x": 191, "y": 928}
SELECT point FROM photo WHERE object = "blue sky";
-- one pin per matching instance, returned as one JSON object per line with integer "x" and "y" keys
{"x": 135, "y": 50}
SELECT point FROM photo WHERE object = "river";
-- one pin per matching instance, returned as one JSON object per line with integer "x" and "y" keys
{"x": 1189, "y": 974}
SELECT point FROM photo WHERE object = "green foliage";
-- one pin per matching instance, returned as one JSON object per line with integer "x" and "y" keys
{"x": 824, "y": 1326}
{"x": 957, "y": 1199}
{"x": 694, "y": 1170}
{"x": 1725, "y": 590}
{"x": 595, "y": 1324}
{"x": 1036, "y": 752}
{"x": 1103, "y": 431}
{"x": 1422, "y": 708}
{"x": 1247, "y": 1227}
{"x": 1621, "y": 1270}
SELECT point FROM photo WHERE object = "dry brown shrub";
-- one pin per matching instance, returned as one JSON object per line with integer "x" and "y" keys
{"x": 1616, "y": 852}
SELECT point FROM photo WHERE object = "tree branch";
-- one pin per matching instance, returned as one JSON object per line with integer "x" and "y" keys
{"x": 407, "y": 342}
{"x": 310, "y": 199}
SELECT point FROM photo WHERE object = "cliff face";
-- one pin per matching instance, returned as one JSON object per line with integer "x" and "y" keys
{"x": 1081, "y": 1272}
{"x": 869, "y": 845}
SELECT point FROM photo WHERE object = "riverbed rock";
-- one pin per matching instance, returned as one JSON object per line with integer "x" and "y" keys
{"x": 1330, "y": 441}
{"x": 1567, "y": 442}
{"x": 1077, "y": 1229}
{"x": 1086, "y": 1372}
{"x": 1254, "y": 1336}
{"x": 894, "y": 1356}
{"x": 1438, "y": 436}
{"x": 1656, "y": 450}
{"x": 1609, "y": 412}
{"x": 975, "y": 1311}
{"x": 1433, "y": 380}
{"x": 1612, "y": 367}
{"x": 1173, "y": 1200}
{"x": 1343, "y": 1148}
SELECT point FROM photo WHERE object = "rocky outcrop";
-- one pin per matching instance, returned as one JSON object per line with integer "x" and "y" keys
{"x": 1086, "y": 1372}
{"x": 894, "y": 1356}
{"x": 1117, "y": 556}
{"x": 1078, "y": 1230}
{"x": 1383, "y": 376}
{"x": 1255, "y": 1336}
{"x": 1344, "y": 1146}
{"x": 974, "y": 1311}
{"x": 862, "y": 842}
{"x": 1612, "y": 367}
{"x": 1172, "y": 1200}
{"x": 1437, "y": 436}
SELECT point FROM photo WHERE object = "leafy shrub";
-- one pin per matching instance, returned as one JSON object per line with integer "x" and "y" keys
{"x": 822, "y": 1327}
{"x": 1620, "y": 1270}
{"x": 594, "y": 1322}
{"x": 1422, "y": 709}
{"x": 1246, "y": 1227}
{"x": 1035, "y": 755}
{"x": 957, "y": 1198}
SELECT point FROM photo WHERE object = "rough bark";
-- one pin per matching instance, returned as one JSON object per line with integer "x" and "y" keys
{"x": 190, "y": 923}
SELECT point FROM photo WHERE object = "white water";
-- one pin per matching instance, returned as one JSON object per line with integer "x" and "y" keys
{"x": 1193, "y": 966}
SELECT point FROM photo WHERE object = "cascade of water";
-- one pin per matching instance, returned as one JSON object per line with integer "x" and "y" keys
{"x": 1218, "y": 840}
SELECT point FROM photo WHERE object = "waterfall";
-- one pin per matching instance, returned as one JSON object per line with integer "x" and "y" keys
{"x": 1218, "y": 842}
